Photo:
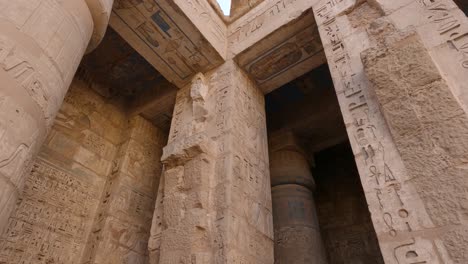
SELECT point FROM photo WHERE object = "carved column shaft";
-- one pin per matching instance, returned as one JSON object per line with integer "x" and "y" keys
{"x": 297, "y": 231}
{"x": 41, "y": 45}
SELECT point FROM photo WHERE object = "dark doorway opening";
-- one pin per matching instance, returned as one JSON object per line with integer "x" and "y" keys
{"x": 345, "y": 222}
{"x": 463, "y": 5}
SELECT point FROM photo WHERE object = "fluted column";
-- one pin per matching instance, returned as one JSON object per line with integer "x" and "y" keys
{"x": 296, "y": 227}
{"x": 41, "y": 45}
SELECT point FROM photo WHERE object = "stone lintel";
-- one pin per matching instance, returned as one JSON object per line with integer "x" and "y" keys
{"x": 210, "y": 25}
{"x": 262, "y": 21}
{"x": 280, "y": 56}
{"x": 179, "y": 38}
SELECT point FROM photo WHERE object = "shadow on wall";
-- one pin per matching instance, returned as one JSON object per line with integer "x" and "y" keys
{"x": 463, "y": 4}
{"x": 344, "y": 218}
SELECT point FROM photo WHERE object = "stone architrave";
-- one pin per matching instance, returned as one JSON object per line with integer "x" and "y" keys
{"x": 398, "y": 79}
{"x": 214, "y": 204}
{"x": 41, "y": 45}
{"x": 178, "y": 37}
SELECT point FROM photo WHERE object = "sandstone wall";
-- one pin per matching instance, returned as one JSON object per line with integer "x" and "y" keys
{"x": 122, "y": 226}
{"x": 90, "y": 145}
{"x": 344, "y": 218}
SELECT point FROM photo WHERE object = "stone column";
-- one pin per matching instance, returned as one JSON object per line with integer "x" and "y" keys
{"x": 297, "y": 231}
{"x": 399, "y": 69}
{"x": 214, "y": 203}
{"x": 41, "y": 45}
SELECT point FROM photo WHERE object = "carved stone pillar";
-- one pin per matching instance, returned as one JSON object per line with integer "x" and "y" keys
{"x": 41, "y": 45}
{"x": 401, "y": 83}
{"x": 297, "y": 232}
{"x": 214, "y": 201}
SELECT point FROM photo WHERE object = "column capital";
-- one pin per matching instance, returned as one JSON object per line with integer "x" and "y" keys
{"x": 288, "y": 161}
{"x": 284, "y": 140}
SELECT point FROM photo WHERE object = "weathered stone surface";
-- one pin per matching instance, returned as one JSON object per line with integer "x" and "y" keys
{"x": 62, "y": 193}
{"x": 179, "y": 38}
{"x": 123, "y": 220}
{"x": 425, "y": 118}
{"x": 400, "y": 136}
{"x": 41, "y": 44}
{"x": 216, "y": 204}
{"x": 399, "y": 70}
{"x": 91, "y": 192}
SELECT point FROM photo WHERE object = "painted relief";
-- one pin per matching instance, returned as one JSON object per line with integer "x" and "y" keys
{"x": 156, "y": 28}
{"x": 286, "y": 55}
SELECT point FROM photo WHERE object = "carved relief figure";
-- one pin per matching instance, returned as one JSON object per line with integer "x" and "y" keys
{"x": 198, "y": 93}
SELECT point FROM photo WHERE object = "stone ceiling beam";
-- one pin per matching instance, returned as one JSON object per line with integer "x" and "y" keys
{"x": 276, "y": 42}
{"x": 285, "y": 54}
{"x": 263, "y": 20}
{"x": 178, "y": 37}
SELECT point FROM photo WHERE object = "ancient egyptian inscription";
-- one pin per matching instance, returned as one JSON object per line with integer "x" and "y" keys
{"x": 200, "y": 8}
{"x": 20, "y": 69}
{"x": 155, "y": 27}
{"x": 286, "y": 55}
{"x": 395, "y": 214}
{"x": 454, "y": 29}
{"x": 256, "y": 22}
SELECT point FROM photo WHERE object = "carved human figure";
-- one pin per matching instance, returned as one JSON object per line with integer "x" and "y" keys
{"x": 198, "y": 93}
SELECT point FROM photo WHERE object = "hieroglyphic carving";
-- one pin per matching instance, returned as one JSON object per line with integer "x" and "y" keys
{"x": 54, "y": 216}
{"x": 284, "y": 56}
{"x": 42, "y": 226}
{"x": 216, "y": 183}
{"x": 452, "y": 27}
{"x": 20, "y": 69}
{"x": 211, "y": 21}
{"x": 17, "y": 154}
{"x": 122, "y": 225}
{"x": 198, "y": 93}
{"x": 156, "y": 28}
{"x": 256, "y": 22}
{"x": 397, "y": 214}
{"x": 163, "y": 33}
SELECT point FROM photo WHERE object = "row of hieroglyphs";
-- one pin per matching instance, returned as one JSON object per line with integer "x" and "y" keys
{"x": 394, "y": 214}
{"x": 22, "y": 71}
{"x": 257, "y": 21}
{"x": 449, "y": 25}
